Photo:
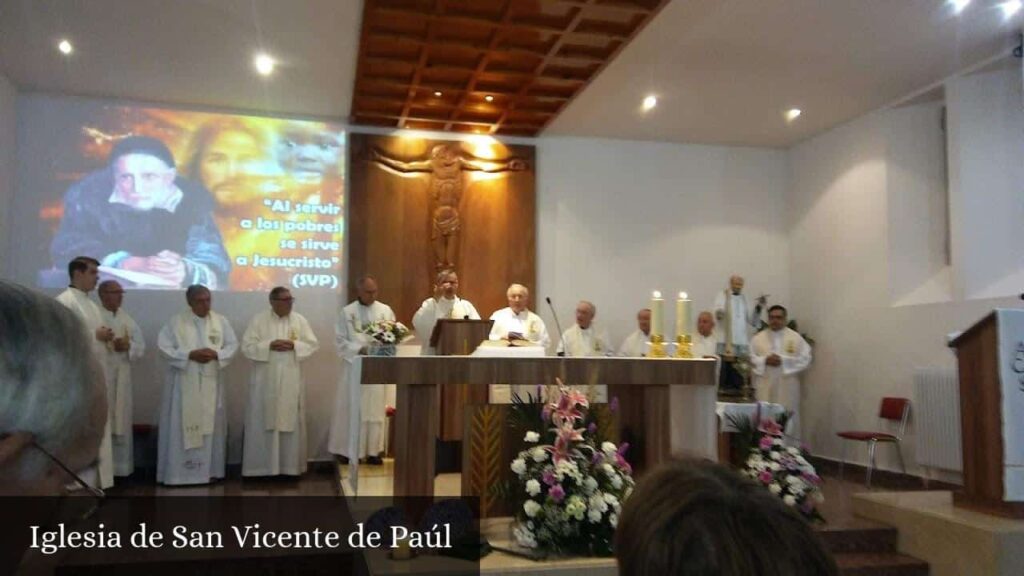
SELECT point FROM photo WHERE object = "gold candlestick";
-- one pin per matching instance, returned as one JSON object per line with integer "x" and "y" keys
{"x": 683, "y": 346}
{"x": 657, "y": 346}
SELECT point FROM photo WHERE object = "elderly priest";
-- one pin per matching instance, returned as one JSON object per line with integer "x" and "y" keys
{"x": 198, "y": 344}
{"x": 277, "y": 340}
{"x": 351, "y": 342}
{"x": 127, "y": 346}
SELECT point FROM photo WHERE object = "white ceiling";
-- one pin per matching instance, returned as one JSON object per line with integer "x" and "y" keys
{"x": 723, "y": 70}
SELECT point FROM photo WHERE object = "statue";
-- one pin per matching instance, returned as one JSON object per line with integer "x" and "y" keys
{"x": 445, "y": 166}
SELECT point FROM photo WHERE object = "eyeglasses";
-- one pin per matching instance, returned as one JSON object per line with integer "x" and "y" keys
{"x": 93, "y": 491}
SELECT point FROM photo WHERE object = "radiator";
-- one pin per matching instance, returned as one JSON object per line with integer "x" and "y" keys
{"x": 937, "y": 418}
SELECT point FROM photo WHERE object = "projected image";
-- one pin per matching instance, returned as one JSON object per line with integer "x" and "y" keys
{"x": 175, "y": 198}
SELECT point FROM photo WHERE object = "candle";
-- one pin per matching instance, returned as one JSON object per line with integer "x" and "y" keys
{"x": 683, "y": 315}
{"x": 657, "y": 313}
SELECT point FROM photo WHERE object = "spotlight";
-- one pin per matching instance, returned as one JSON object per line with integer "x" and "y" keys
{"x": 65, "y": 47}
{"x": 959, "y": 5}
{"x": 1010, "y": 8}
{"x": 650, "y": 102}
{"x": 438, "y": 93}
{"x": 793, "y": 114}
{"x": 489, "y": 98}
{"x": 264, "y": 64}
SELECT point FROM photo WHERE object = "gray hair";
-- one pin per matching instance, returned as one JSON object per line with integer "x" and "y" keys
{"x": 593, "y": 309}
{"x": 525, "y": 290}
{"x": 47, "y": 374}
{"x": 444, "y": 274}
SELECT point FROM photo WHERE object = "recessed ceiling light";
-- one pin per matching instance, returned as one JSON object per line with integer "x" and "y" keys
{"x": 65, "y": 47}
{"x": 438, "y": 93}
{"x": 650, "y": 102}
{"x": 959, "y": 5}
{"x": 793, "y": 114}
{"x": 489, "y": 98}
{"x": 1011, "y": 8}
{"x": 264, "y": 64}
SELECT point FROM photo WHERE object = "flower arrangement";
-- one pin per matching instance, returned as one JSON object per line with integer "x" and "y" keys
{"x": 386, "y": 331}
{"x": 571, "y": 488}
{"x": 784, "y": 470}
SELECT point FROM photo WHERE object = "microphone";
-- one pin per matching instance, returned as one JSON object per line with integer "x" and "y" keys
{"x": 561, "y": 335}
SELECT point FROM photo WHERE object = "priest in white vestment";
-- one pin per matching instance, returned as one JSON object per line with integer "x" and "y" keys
{"x": 351, "y": 343}
{"x": 84, "y": 274}
{"x": 777, "y": 357}
{"x": 277, "y": 340}
{"x": 444, "y": 304}
{"x": 517, "y": 322}
{"x": 736, "y": 322}
{"x": 127, "y": 347}
{"x": 198, "y": 344}
{"x": 705, "y": 343}
{"x": 585, "y": 339}
{"x": 635, "y": 344}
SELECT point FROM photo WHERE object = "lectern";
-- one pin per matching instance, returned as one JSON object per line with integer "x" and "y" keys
{"x": 991, "y": 358}
{"x": 458, "y": 338}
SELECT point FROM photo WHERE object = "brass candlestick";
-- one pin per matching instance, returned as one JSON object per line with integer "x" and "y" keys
{"x": 658, "y": 346}
{"x": 684, "y": 346}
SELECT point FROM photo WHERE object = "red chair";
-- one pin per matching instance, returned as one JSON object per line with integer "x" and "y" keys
{"x": 893, "y": 410}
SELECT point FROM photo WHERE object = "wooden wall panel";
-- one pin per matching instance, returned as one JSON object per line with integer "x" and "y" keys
{"x": 390, "y": 222}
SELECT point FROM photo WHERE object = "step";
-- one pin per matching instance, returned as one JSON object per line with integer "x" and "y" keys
{"x": 879, "y": 564}
{"x": 862, "y": 537}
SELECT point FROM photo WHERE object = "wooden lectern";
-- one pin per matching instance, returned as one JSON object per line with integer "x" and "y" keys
{"x": 458, "y": 338}
{"x": 991, "y": 358}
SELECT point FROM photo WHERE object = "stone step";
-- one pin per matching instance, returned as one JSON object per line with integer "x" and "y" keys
{"x": 879, "y": 564}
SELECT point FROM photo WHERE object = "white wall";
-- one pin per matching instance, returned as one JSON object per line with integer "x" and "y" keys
{"x": 842, "y": 197}
{"x": 618, "y": 219}
{"x": 8, "y": 129}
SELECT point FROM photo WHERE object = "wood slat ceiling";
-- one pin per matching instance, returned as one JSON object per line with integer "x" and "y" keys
{"x": 485, "y": 66}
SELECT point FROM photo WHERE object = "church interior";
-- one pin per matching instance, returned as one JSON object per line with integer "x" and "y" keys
{"x": 713, "y": 224}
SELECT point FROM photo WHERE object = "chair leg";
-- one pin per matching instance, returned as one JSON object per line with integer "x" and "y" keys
{"x": 871, "y": 461}
{"x": 899, "y": 454}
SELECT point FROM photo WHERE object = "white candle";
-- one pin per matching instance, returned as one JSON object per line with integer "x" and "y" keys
{"x": 657, "y": 313}
{"x": 683, "y": 315}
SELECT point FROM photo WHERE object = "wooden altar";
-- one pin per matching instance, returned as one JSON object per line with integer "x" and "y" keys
{"x": 679, "y": 400}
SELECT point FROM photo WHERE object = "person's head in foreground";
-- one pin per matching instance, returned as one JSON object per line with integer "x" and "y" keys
{"x": 53, "y": 401}
{"x": 699, "y": 518}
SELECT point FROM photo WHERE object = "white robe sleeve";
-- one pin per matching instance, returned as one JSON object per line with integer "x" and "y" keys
{"x": 227, "y": 352}
{"x": 607, "y": 349}
{"x": 306, "y": 344}
{"x": 796, "y": 363}
{"x": 256, "y": 341}
{"x": 470, "y": 310}
{"x": 496, "y": 330}
{"x": 346, "y": 340}
{"x": 138, "y": 343}
{"x": 424, "y": 319}
{"x": 168, "y": 345}
{"x": 757, "y": 361}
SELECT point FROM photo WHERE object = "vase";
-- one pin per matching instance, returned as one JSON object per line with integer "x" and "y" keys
{"x": 380, "y": 349}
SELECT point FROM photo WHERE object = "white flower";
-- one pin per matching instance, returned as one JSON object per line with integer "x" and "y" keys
{"x": 589, "y": 484}
{"x": 524, "y": 537}
{"x": 789, "y": 500}
{"x": 818, "y": 497}
{"x": 575, "y": 507}
{"x": 774, "y": 455}
{"x": 613, "y": 519}
{"x": 539, "y": 454}
{"x": 793, "y": 479}
{"x": 608, "y": 469}
{"x": 532, "y": 487}
{"x": 594, "y": 516}
{"x": 611, "y": 499}
{"x": 793, "y": 450}
{"x": 519, "y": 466}
{"x": 532, "y": 437}
{"x": 774, "y": 488}
{"x": 609, "y": 448}
{"x": 531, "y": 508}
{"x": 597, "y": 503}
{"x": 616, "y": 482}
